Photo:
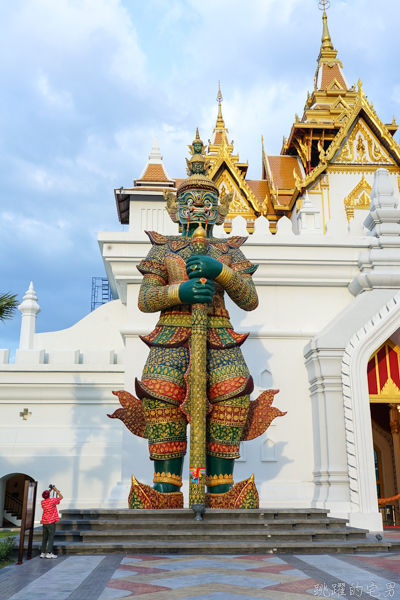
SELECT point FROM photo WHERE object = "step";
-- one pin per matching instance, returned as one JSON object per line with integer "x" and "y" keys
{"x": 206, "y": 533}
{"x": 149, "y": 524}
{"x": 85, "y": 531}
{"x": 186, "y": 514}
{"x": 243, "y": 547}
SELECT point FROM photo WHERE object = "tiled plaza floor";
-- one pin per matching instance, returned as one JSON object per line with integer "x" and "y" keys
{"x": 177, "y": 577}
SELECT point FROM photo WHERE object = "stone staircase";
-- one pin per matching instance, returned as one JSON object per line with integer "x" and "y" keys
{"x": 263, "y": 531}
{"x": 12, "y": 518}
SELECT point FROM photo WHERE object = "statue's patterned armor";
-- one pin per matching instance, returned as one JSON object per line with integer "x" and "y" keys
{"x": 164, "y": 387}
{"x": 195, "y": 371}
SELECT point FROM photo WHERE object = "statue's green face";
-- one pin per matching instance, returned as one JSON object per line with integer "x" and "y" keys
{"x": 197, "y": 167}
{"x": 197, "y": 148}
{"x": 197, "y": 206}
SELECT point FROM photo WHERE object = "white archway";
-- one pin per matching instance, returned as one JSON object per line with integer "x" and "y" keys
{"x": 336, "y": 361}
{"x": 3, "y": 484}
{"x": 359, "y": 442}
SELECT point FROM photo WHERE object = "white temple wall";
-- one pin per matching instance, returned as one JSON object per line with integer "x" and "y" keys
{"x": 66, "y": 437}
{"x": 341, "y": 184}
{"x": 328, "y": 201}
{"x": 150, "y": 215}
{"x": 95, "y": 337}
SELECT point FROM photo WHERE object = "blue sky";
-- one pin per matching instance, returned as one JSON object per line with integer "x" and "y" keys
{"x": 86, "y": 84}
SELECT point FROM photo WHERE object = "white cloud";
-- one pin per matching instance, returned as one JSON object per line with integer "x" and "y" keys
{"x": 60, "y": 100}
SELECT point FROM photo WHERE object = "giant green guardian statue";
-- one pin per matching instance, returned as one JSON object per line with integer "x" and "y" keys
{"x": 195, "y": 371}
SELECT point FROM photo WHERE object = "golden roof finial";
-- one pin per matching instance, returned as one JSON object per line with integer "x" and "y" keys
{"x": 220, "y": 121}
{"x": 326, "y": 38}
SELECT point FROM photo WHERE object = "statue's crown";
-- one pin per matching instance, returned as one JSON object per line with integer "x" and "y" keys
{"x": 197, "y": 168}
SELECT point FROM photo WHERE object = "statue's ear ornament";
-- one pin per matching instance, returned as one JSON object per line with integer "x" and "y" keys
{"x": 172, "y": 205}
{"x": 223, "y": 207}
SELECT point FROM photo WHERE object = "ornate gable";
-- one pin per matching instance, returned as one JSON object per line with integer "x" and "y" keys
{"x": 362, "y": 146}
{"x": 228, "y": 177}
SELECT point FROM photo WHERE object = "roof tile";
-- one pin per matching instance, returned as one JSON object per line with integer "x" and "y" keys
{"x": 329, "y": 74}
{"x": 259, "y": 188}
{"x": 154, "y": 173}
{"x": 282, "y": 171}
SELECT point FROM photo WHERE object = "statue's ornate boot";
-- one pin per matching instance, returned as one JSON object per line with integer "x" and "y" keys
{"x": 165, "y": 492}
{"x": 242, "y": 495}
{"x": 222, "y": 493}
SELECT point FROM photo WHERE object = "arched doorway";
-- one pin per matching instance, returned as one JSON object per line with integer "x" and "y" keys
{"x": 384, "y": 395}
{"x": 11, "y": 498}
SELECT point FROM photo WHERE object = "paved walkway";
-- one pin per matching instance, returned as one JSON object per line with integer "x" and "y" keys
{"x": 172, "y": 577}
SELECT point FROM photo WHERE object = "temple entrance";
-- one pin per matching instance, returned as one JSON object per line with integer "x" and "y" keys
{"x": 11, "y": 498}
{"x": 384, "y": 397}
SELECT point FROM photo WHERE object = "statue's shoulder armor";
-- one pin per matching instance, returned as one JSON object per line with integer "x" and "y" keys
{"x": 157, "y": 239}
{"x": 236, "y": 241}
{"x": 174, "y": 242}
{"x": 226, "y": 244}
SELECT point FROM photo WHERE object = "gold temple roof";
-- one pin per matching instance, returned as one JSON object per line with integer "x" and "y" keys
{"x": 320, "y": 140}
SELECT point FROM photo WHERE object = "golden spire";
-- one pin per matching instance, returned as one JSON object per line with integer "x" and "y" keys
{"x": 326, "y": 38}
{"x": 220, "y": 121}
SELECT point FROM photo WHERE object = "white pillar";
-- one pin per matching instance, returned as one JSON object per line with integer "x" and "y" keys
{"x": 29, "y": 308}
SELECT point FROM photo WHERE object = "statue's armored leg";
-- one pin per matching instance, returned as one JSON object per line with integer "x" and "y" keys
{"x": 168, "y": 475}
{"x": 224, "y": 432}
{"x": 166, "y": 432}
{"x": 224, "y": 427}
{"x": 217, "y": 468}
{"x": 230, "y": 386}
{"x": 162, "y": 389}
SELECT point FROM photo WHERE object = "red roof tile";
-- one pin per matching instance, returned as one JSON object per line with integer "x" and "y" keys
{"x": 282, "y": 171}
{"x": 154, "y": 173}
{"x": 329, "y": 74}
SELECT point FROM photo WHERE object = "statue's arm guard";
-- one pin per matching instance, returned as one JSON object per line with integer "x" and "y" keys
{"x": 238, "y": 283}
{"x": 155, "y": 294}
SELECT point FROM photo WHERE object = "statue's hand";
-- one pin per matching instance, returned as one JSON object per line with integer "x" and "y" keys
{"x": 203, "y": 266}
{"x": 196, "y": 292}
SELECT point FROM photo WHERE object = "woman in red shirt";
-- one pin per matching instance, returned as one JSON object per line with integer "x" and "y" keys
{"x": 49, "y": 519}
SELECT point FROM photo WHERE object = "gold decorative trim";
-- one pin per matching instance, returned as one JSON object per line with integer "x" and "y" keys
{"x": 375, "y": 153}
{"x": 173, "y": 294}
{"x": 214, "y": 480}
{"x": 340, "y": 104}
{"x": 172, "y": 205}
{"x": 334, "y": 85}
{"x": 167, "y": 478}
{"x": 358, "y": 198}
{"x": 325, "y": 186}
{"x": 225, "y": 277}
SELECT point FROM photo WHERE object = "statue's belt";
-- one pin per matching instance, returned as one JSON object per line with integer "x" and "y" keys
{"x": 182, "y": 320}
